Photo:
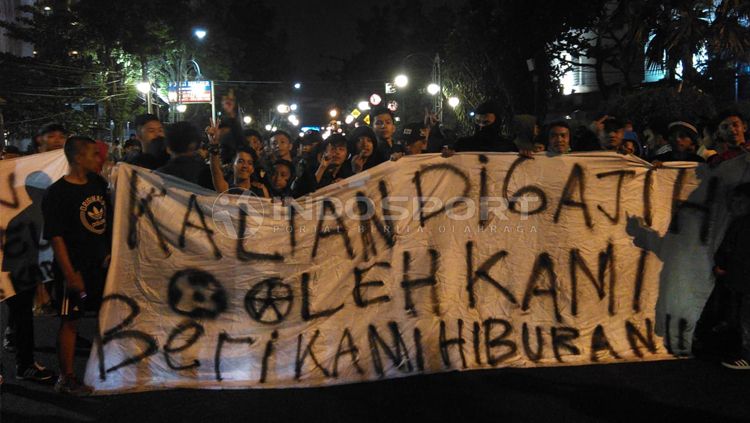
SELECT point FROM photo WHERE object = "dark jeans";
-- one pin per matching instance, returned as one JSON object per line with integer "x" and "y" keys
{"x": 20, "y": 312}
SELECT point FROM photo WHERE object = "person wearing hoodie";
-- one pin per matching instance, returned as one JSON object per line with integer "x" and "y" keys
{"x": 487, "y": 136}
{"x": 362, "y": 144}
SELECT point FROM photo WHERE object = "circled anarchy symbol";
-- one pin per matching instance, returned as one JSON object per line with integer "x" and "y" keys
{"x": 269, "y": 301}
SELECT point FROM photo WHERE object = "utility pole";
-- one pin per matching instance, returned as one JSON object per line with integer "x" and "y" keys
{"x": 437, "y": 101}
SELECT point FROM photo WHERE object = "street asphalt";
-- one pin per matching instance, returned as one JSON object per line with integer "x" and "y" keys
{"x": 666, "y": 391}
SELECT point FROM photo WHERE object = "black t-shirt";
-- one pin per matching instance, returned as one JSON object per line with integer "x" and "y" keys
{"x": 238, "y": 190}
{"x": 487, "y": 139}
{"x": 385, "y": 151}
{"x": 190, "y": 168}
{"x": 81, "y": 215}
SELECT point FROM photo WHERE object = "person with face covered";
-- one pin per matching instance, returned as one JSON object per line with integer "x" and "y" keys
{"x": 487, "y": 136}
{"x": 365, "y": 155}
{"x": 149, "y": 132}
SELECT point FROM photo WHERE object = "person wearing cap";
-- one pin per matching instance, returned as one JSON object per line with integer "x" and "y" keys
{"x": 683, "y": 136}
{"x": 306, "y": 161}
{"x": 384, "y": 127}
{"x": 10, "y": 152}
{"x": 309, "y": 140}
{"x": 52, "y": 137}
{"x": 731, "y": 130}
{"x": 131, "y": 148}
{"x": 657, "y": 138}
{"x": 362, "y": 143}
{"x": 612, "y": 134}
{"x": 414, "y": 139}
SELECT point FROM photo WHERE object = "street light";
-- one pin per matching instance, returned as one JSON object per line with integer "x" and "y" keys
{"x": 283, "y": 108}
{"x": 181, "y": 108}
{"x": 268, "y": 127}
{"x": 200, "y": 33}
{"x": 433, "y": 89}
{"x": 349, "y": 119}
{"x": 363, "y": 105}
{"x": 297, "y": 85}
{"x": 401, "y": 81}
{"x": 292, "y": 119}
{"x": 454, "y": 102}
{"x": 145, "y": 88}
{"x": 247, "y": 120}
{"x": 293, "y": 107}
{"x": 333, "y": 113}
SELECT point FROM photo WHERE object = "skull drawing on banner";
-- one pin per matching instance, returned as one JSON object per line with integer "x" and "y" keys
{"x": 197, "y": 294}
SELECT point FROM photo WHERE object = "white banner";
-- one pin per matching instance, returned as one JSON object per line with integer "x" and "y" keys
{"x": 418, "y": 266}
{"x": 26, "y": 258}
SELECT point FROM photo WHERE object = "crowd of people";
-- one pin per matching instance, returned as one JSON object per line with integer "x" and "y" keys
{"x": 225, "y": 157}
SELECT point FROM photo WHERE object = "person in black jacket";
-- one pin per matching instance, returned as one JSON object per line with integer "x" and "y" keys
{"x": 183, "y": 139}
{"x": 732, "y": 268}
{"x": 362, "y": 144}
{"x": 333, "y": 165}
{"x": 149, "y": 132}
{"x": 487, "y": 136}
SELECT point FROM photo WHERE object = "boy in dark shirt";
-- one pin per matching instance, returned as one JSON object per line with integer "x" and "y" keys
{"x": 183, "y": 139}
{"x": 333, "y": 165}
{"x": 732, "y": 261}
{"x": 77, "y": 224}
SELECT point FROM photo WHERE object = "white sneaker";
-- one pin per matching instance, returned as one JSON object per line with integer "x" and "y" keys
{"x": 739, "y": 364}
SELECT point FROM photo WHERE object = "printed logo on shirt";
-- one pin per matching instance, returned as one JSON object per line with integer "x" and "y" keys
{"x": 94, "y": 213}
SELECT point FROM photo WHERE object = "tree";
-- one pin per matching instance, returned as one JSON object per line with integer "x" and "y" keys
{"x": 87, "y": 55}
{"x": 491, "y": 46}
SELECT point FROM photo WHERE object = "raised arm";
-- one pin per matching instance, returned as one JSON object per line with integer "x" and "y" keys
{"x": 217, "y": 173}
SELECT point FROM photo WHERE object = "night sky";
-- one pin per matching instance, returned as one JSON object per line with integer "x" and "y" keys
{"x": 317, "y": 29}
